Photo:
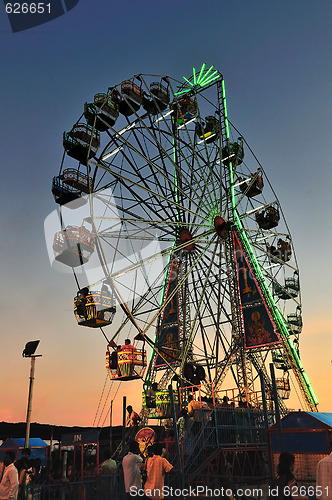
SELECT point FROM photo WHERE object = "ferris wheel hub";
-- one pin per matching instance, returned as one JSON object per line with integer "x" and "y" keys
{"x": 221, "y": 227}
{"x": 186, "y": 236}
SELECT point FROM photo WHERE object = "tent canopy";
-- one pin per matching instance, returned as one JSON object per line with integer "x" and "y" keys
{"x": 303, "y": 432}
{"x": 12, "y": 443}
{"x": 305, "y": 420}
{"x": 38, "y": 448}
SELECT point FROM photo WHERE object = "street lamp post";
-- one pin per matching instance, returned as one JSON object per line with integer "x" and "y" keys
{"x": 29, "y": 352}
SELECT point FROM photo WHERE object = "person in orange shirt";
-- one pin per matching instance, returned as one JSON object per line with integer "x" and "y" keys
{"x": 132, "y": 418}
{"x": 193, "y": 407}
{"x": 127, "y": 346}
{"x": 126, "y": 369}
{"x": 156, "y": 467}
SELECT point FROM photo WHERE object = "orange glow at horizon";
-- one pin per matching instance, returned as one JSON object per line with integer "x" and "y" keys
{"x": 82, "y": 383}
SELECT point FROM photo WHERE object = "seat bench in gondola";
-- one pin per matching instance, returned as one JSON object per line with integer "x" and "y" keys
{"x": 208, "y": 130}
{"x": 73, "y": 246}
{"x": 268, "y": 218}
{"x": 82, "y": 142}
{"x": 184, "y": 109}
{"x": 94, "y": 309}
{"x": 158, "y": 100}
{"x": 103, "y": 112}
{"x": 71, "y": 185}
{"x": 252, "y": 186}
{"x": 163, "y": 408}
{"x": 129, "y": 363}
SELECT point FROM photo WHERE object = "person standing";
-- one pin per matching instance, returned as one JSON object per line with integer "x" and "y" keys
{"x": 132, "y": 421}
{"x": 108, "y": 466}
{"x": 131, "y": 465}
{"x": 9, "y": 482}
{"x": 285, "y": 481}
{"x": 23, "y": 462}
{"x": 132, "y": 418}
{"x": 150, "y": 395}
{"x": 157, "y": 467}
{"x": 127, "y": 367}
{"x": 182, "y": 423}
{"x": 22, "y": 465}
{"x": 324, "y": 475}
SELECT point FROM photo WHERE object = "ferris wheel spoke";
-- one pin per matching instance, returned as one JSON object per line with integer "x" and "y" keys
{"x": 221, "y": 293}
{"x": 196, "y": 316}
{"x": 136, "y": 168}
{"x": 219, "y": 301}
{"x": 210, "y": 164}
{"x": 205, "y": 338}
{"x": 200, "y": 160}
{"x": 148, "y": 222}
{"x": 267, "y": 234}
{"x": 223, "y": 334}
{"x": 187, "y": 159}
{"x": 150, "y": 296}
{"x": 134, "y": 191}
{"x": 153, "y": 179}
{"x": 159, "y": 255}
{"x": 203, "y": 179}
{"x": 176, "y": 288}
{"x": 151, "y": 163}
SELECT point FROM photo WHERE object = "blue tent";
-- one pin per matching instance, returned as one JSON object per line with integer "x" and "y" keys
{"x": 38, "y": 448}
{"x": 303, "y": 432}
{"x": 306, "y": 435}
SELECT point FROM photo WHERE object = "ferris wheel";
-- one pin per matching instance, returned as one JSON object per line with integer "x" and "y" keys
{"x": 182, "y": 239}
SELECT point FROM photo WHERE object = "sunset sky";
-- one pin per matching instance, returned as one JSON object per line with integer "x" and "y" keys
{"x": 276, "y": 61}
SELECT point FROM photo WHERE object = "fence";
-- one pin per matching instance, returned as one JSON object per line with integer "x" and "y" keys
{"x": 91, "y": 488}
{"x": 237, "y": 432}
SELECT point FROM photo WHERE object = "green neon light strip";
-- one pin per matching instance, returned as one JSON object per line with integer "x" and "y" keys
{"x": 227, "y": 130}
{"x": 194, "y": 73}
{"x": 211, "y": 78}
{"x": 205, "y": 75}
{"x": 188, "y": 81}
{"x": 202, "y": 80}
{"x": 280, "y": 319}
{"x": 200, "y": 75}
{"x": 182, "y": 92}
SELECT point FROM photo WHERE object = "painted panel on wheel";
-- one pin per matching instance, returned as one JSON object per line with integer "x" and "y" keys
{"x": 259, "y": 328}
{"x": 168, "y": 334}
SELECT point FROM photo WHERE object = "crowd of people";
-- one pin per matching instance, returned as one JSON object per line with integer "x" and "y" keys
{"x": 143, "y": 470}
{"x": 16, "y": 475}
{"x": 145, "y": 474}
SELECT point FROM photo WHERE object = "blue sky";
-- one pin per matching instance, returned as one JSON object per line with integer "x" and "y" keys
{"x": 275, "y": 58}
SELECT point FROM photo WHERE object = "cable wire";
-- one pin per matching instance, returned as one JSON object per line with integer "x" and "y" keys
{"x": 109, "y": 408}
{"x": 101, "y": 397}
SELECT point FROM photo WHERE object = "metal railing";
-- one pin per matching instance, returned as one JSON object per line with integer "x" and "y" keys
{"x": 91, "y": 488}
{"x": 222, "y": 428}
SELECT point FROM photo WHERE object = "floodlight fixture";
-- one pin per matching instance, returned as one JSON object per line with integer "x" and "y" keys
{"x": 30, "y": 348}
